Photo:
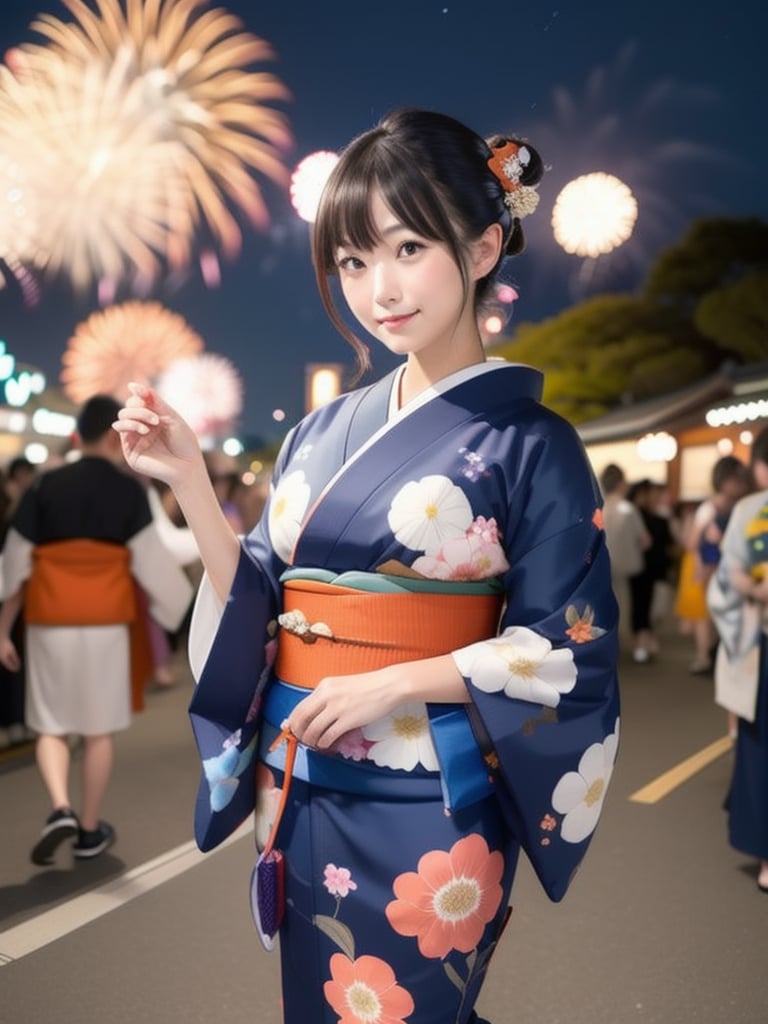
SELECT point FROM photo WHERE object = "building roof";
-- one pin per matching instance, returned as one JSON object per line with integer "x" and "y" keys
{"x": 681, "y": 409}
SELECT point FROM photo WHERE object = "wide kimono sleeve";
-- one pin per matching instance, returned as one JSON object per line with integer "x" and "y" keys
{"x": 17, "y": 563}
{"x": 545, "y": 705}
{"x": 232, "y": 648}
{"x": 737, "y": 619}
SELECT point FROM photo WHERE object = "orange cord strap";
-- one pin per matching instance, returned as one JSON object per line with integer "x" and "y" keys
{"x": 285, "y": 736}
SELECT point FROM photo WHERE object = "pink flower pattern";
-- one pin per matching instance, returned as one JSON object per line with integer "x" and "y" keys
{"x": 353, "y": 745}
{"x": 338, "y": 881}
{"x": 478, "y": 555}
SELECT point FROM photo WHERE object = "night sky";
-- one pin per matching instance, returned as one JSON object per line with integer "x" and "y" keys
{"x": 670, "y": 96}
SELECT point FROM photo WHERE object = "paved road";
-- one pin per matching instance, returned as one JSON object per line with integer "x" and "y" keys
{"x": 664, "y": 924}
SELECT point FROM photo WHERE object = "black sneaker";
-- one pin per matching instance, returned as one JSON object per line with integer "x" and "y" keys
{"x": 59, "y": 826}
{"x": 92, "y": 843}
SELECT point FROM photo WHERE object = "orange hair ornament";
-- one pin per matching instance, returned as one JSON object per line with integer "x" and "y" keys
{"x": 508, "y": 163}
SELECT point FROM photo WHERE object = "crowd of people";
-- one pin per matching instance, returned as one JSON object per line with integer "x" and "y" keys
{"x": 663, "y": 554}
{"x": 711, "y": 558}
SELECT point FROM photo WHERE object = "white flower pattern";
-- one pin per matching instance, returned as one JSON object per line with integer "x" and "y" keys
{"x": 520, "y": 663}
{"x": 286, "y": 511}
{"x": 580, "y": 795}
{"x": 402, "y": 739}
{"x": 426, "y": 513}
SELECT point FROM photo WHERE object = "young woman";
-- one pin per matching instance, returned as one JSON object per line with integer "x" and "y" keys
{"x": 417, "y": 644}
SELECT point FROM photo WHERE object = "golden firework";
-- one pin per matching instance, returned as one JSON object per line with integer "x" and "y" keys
{"x": 134, "y": 341}
{"x": 147, "y": 127}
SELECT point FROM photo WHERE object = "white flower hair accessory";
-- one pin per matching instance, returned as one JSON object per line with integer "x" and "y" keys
{"x": 509, "y": 163}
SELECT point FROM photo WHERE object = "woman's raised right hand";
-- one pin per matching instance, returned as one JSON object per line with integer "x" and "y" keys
{"x": 157, "y": 442}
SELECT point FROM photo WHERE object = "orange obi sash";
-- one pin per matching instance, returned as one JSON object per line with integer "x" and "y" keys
{"x": 328, "y": 629}
{"x": 80, "y": 583}
{"x": 89, "y": 583}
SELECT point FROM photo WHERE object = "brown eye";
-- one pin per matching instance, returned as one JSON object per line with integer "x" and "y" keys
{"x": 410, "y": 248}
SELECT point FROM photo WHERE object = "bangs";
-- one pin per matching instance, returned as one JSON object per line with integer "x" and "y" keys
{"x": 345, "y": 218}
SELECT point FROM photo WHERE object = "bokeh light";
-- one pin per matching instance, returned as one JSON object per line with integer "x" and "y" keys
{"x": 37, "y": 453}
{"x": 594, "y": 214}
{"x": 493, "y": 324}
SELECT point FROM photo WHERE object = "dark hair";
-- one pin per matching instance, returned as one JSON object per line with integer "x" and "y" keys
{"x": 611, "y": 478}
{"x": 19, "y": 465}
{"x": 433, "y": 174}
{"x": 96, "y": 417}
{"x": 640, "y": 490}
{"x": 729, "y": 467}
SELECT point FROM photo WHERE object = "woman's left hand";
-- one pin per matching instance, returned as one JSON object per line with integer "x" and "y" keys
{"x": 339, "y": 704}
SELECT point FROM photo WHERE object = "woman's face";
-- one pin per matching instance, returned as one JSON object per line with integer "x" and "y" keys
{"x": 408, "y": 292}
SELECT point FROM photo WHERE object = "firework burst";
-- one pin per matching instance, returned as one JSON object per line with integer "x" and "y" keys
{"x": 145, "y": 129}
{"x": 207, "y": 391}
{"x": 17, "y": 229}
{"x": 635, "y": 134}
{"x": 134, "y": 341}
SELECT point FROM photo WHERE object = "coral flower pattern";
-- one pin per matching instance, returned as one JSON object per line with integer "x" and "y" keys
{"x": 287, "y": 508}
{"x": 425, "y": 514}
{"x": 365, "y": 991}
{"x": 402, "y": 739}
{"x": 579, "y": 795}
{"x": 520, "y": 663}
{"x": 448, "y": 901}
{"x": 581, "y": 626}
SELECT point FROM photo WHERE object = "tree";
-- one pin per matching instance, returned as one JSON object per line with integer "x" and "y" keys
{"x": 705, "y": 302}
{"x": 610, "y": 350}
{"x": 736, "y": 317}
{"x": 713, "y": 252}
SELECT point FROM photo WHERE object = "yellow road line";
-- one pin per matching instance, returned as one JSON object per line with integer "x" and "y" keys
{"x": 664, "y": 784}
{"x": 17, "y": 751}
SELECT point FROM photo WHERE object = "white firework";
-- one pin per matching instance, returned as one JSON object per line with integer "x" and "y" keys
{"x": 206, "y": 390}
{"x": 614, "y": 125}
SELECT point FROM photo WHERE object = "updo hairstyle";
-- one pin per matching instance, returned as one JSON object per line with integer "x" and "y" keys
{"x": 433, "y": 174}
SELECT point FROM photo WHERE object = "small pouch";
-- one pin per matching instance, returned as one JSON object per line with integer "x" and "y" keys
{"x": 268, "y": 895}
{"x": 268, "y": 875}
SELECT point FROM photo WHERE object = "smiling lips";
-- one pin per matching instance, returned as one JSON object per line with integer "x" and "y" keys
{"x": 392, "y": 322}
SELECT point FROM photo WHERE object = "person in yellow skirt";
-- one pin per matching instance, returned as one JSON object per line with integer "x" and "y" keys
{"x": 701, "y": 535}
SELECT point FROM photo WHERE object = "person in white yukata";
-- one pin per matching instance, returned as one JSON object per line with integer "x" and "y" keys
{"x": 81, "y": 540}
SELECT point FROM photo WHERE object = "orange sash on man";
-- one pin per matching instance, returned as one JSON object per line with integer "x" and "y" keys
{"x": 89, "y": 583}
